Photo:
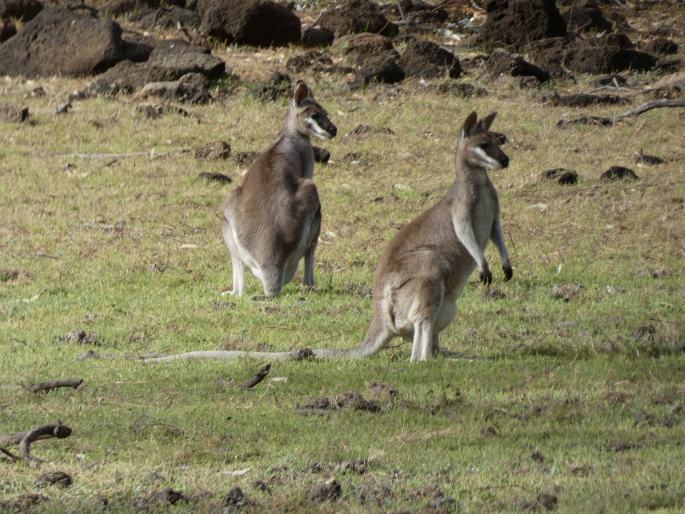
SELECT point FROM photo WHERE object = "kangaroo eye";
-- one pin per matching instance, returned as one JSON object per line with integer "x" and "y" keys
{"x": 484, "y": 146}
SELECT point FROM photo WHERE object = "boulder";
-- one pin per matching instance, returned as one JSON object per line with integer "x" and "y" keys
{"x": 315, "y": 36}
{"x": 518, "y": 22}
{"x": 381, "y": 67}
{"x": 586, "y": 18}
{"x": 24, "y": 10}
{"x": 167, "y": 17}
{"x": 419, "y": 12}
{"x": 190, "y": 88}
{"x": 502, "y": 62}
{"x": 62, "y": 42}
{"x": 355, "y": 16}
{"x": 250, "y": 22}
{"x": 7, "y": 30}
{"x": 278, "y": 86}
{"x": 358, "y": 47}
{"x": 427, "y": 60}
{"x": 121, "y": 7}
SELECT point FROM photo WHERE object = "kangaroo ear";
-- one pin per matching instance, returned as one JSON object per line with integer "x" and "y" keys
{"x": 485, "y": 124}
{"x": 469, "y": 125}
{"x": 302, "y": 92}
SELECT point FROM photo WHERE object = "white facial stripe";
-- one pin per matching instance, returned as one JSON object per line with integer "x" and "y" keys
{"x": 491, "y": 163}
{"x": 318, "y": 131}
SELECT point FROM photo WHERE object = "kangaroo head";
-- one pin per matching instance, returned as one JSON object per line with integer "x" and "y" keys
{"x": 478, "y": 147}
{"x": 309, "y": 117}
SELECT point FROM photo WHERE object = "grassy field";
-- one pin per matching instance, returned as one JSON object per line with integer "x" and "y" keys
{"x": 571, "y": 391}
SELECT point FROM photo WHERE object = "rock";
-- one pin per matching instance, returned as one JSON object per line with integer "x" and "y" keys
{"x": 13, "y": 114}
{"x": 61, "y": 42}
{"x": 649, "y": 160}
{"x": 660, "y": 45}
{"x": 586, "y": 120}
{"x": 585, "y": 100}
{"x": 328, "y": 491}
{"x": 427, "y": 60}
{"x": 502, "y": 62}
{"x": 585, "y": 18}
{"x": 154, "y": 112}
{"x": 169, "y": 61}
{"x": 167, "y": 17}
{"x": 218, "y": 150}
{"x": 7, "y": 30}
{"x": 80, "y": 337}
{"x": 315, "y": 37}
{"x": 381, "y": 68}
{"x": 250, "y": 22}
{"x": 278, "y": 86}
{"x": 215, "y": 177}
{"x": 419, "y": 12}
{"x": 24, "y": 10}
{"x": 245, "y": 159}
{"x": 58, "y": 478}
{"x": 313, "y": 59}
{"x": 358, "y": 47}
{"x": 355, "y": 16}
{"x": 518, "y": 22}
{"x": 561, "y": 176}
{"x": 191, "y": 88}
{"x": 618, "y": 173}
{"x": 462, "y": 89}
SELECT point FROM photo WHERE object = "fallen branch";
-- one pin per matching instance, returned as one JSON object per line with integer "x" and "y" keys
{"x": 25, "y": 439}
{"x": 43, "y": 387}
{"x": 9, "y": 454}
{"x": 656, "y": 104}
{"x": 257, "y": 377}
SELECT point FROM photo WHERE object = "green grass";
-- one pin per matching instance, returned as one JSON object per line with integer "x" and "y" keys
{"x": 102, "y": 246}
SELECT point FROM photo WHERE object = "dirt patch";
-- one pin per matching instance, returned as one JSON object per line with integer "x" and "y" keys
{"x": 517, "y": 22}
{"x": 542, "y": 502}
{"x": 61, "y": 42}
{"x": 154, "y": 112}
{"x": 618, "y": 173}
{"x": 14, "y": 114}
{"x": 565, "y": 292}
{"x": 586, "y": 120}
{"x": 80, "y": 337}
{"x": 562, "y": 176}
{"x": 215, "y": 177}
{"x": 350, "y": 399}
{"x": 250, "y": 22}
{"x": 365, "y": 130}
{"x": 215, "y": 151}
{"x": 427, "y": 60}
{"x": 461, "y": 89}
{"x": 649, "y": 160}
{"x": 234, "y": 501}
{"x": 24, "y": 503}
{"x": 58, "y": 478}
{"x": 355, "y": 16}
{"x": 330, "y": 490}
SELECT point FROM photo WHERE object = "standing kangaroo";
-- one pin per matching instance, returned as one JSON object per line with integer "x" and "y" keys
{"x": 273, "y": 219}
{"x": 425, "y": 267}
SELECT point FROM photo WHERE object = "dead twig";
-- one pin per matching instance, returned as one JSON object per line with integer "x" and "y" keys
{"x": 656, "y": 104}
{"x": 257, "y": 377}
{"x": 25, "y": 439}
{"x": 43, "y": 387}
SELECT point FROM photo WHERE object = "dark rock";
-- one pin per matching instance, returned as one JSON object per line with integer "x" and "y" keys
{"x": 278, "y": 86}
{"x": 215, "y": 177}
{"x": 321, "y": 154}
{"x": 649, "y": 160}
{"x": 61, "y": 42}
{"x": 585, "y": 100}
{"x": 24, "y": 10}
{"x": 215, "y": 151}
{"x": 121, "y": 7}
{"x": 234, "y": 501}
{"x": 661, "y": 45}
{"x": 250, "y": 22}
{"x": 191, "y": 88}
{"x": 58, "y": 478}
{"x": 315, "y": 36}
{"x": 136, "y": 47}
{"x": 428, "y": 60}
{"x": 586, "y": 120}
{"x": 618, "y": 173}
{"x": 587, "y": 17}
{"x": 328, "y": 491}
{"x": 543, "y": 501}
{"x": 381, "y": 68}
{"x": 168, "y": 62}
{"x": 561, "y": 176}
{"x": 518, "y": 22}
{"x": 358, "y": 47}
{"x": 355, "y": 16}
{"x": 7, "y": 30}
{"x": 313, "y": 59}
{"x": 13, "y": 114}
{"x": 245, "y": 159}
{"x": 80, "y": 337}
{"x": 419, "y": 12}
{"x": 170, "y": 496}
{"x": 502, "y": 62}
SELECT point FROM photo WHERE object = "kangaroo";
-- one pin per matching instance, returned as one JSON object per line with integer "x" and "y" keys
{"x": 425, "y": 267}
{"x": 273, "y": 219}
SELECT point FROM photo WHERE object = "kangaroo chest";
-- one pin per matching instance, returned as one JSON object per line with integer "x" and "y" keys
{"x": 484, "y": 212}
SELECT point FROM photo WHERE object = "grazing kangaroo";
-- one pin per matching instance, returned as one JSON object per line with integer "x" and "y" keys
{"x": 273, "y": 219}
{"x": 425, "y": 267}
